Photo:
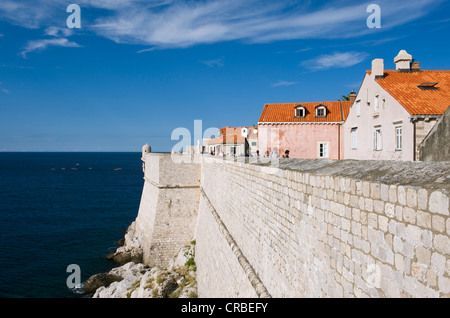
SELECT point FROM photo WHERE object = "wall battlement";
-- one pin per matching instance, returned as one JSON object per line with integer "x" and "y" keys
{"x": 311, "y": 228}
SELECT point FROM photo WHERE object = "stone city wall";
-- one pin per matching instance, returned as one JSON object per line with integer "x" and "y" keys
{"x": 321, "y": 228}
{"x": 168, "y": 210}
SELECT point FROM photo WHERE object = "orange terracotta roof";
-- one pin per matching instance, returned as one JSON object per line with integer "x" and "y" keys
{"x": 337, "y": 111}
{"x": 233, "y": 135}
{"x": 403, "y": 86}
{"x": 237, "y": 131}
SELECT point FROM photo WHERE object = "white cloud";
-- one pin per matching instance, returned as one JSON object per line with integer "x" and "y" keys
{"x": 39, "y": 45}
{"x": 58, "y": 32}
{"x": 335, "y": 60}
{"x": 182, "y": 23}
{"x": 282, "y": 83}
{"x": 146, "y": 50}
{"x": 215, "y": 63}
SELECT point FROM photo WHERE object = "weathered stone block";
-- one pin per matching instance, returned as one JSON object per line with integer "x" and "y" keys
{"x": 439, "y": 203}
{"x": 389, "y": 210}
{"x": 372, "y": 220}
{"x": 401, "y": 195}
{"x": 378, "y": 206}
{"x": 399, "y": 212}
{"x": 444, "y": 285}
{"x": 383, "y": 223}
{"x": 399, "y": 262}
{"x": 442, "y": 243}
{"x": 375, "y": 191}
{"x": 422, "y": 199}
{"x": 384, "y": 191}
{"x": 431, "y": 278}
{"x": 411, "y": 198}
{"x": 423, "y": 255}
{"x": 368, "y": 205}
{"x": 424, "y": 219}
{"x": 438, "y": 223}
{"x": 409, "y": 215}
{"x": 438, "y": 263}
{"x": 366, "y": 189}
{"x": 393, "y": 194}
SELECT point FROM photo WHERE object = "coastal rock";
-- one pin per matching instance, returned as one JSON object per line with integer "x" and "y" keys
{"x": 140, "y": 281}
{"x": 100, "y": 280}
{"x": 184, "y": 256}
{"x": 131, "y": 251}
{"x": 129, "y": 274}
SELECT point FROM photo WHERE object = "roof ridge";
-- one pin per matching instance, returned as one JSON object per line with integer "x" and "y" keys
{"x": 331, "y": 101}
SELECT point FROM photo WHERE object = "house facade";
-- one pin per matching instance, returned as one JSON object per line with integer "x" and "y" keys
{"x": 395, "y": 110}
{"x": 235, "y": 141}
{"x": 307, "y": 130}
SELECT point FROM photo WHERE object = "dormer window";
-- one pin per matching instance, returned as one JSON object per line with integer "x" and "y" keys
{"x": 428, "y": 86}
{"x": 321, "y": 111}
{"x": 300, "y": 112}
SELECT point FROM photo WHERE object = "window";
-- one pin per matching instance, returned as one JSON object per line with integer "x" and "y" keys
{"x": 354, "y": 138}
{"x": 377, "y": 139}
{"x": 376, "y": 104}
{"x": 300, "y": 112}
{"x": 323, "y": 149}
{"x": 398, "y": 138}
{"x": 253, "y": 143}
{"x": 321, "y": 111}
{"x": 232, "y": 150}
{"x": 358, "y": 108}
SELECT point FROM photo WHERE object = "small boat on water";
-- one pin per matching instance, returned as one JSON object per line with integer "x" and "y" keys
{"x": 117, "y": 169}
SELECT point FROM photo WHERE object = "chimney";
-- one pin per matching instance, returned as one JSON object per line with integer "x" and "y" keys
{"x": 352, "y": 97}
{"x": 415, "y": 66}
{"x": 378, "y": 68}
{"x": 403, "y": 61}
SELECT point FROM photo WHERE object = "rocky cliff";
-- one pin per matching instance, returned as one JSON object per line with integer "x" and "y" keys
{"x": 133, "y": 279}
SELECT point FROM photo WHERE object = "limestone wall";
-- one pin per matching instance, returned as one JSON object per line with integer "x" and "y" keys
{"x": 319, "y": 228}
{"x": 436, "y": 145}
{"x": 168, "y": 210}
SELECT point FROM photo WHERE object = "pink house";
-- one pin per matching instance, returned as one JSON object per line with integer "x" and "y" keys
{"x": 307, "y": 130}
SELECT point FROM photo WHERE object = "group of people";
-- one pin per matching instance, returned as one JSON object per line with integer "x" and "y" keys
{"x": 273, "y": 154}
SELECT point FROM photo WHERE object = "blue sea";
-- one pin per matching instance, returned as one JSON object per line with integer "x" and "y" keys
{"x": 58, "y": 209}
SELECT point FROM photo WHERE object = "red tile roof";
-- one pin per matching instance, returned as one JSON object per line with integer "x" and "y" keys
{"x": 337, "y": 111}
{"x": 237, "y": 131}
{"x": 403, "y": 86}
{"x": 233, "y": 135}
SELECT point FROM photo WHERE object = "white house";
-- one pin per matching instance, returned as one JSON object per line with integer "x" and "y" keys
{"x": 394, "y": 110}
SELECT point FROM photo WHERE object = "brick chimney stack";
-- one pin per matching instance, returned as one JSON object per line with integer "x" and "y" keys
{"x": 352, "y": 97}
{"x": 415, "y": 66}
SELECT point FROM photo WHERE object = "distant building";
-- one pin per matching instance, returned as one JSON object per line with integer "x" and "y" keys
{"x": 307, "y": 130}
{"x": 236, "y": 141}
{"x": 395, "y": 110}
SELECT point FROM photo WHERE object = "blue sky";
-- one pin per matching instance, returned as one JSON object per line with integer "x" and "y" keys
{"x": 136, "y": 70}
